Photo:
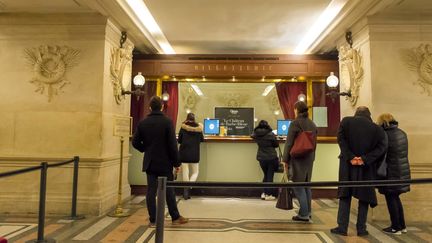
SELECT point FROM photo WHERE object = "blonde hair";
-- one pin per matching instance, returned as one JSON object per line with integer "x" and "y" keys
{"x": 385, "y": 119}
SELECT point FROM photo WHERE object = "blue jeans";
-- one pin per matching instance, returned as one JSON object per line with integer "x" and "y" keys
{"x": 304, "y": 196}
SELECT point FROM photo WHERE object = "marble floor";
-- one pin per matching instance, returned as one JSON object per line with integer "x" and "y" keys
{"x": 212, "y": 220}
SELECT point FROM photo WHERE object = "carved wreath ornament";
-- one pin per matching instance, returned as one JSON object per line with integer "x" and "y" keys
{"x": 120, "y": 58}
{"x": 50, "y": 64}
{"x": 419, "y": 59}
{"x": 351, "y": 64}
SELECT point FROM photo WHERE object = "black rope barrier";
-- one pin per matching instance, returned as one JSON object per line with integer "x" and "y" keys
{"x": 20, "y": 171}
{"x": 369, "y": 183}
{"x": 61, "y": 163}
{"x": 43, "y": 167}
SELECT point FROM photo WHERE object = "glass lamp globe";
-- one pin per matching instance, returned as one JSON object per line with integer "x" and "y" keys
{"x": 165, "y": 96}
{"x": 332, "y": 81}
{"x": 139, "y": 80}
{"x": 301, "y": 97}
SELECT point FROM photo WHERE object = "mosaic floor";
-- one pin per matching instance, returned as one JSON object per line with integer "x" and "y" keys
{"x": 212, "y": 220}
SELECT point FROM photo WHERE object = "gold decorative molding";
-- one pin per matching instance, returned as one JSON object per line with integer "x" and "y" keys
{"x": 419, "y": 59}
{"x": 190, "y": 100}
{"x": 233, "y": 99}
{"x": 120, "y": 58}
{"x": 50, "y": 64}
{"x": 351, "y": 70}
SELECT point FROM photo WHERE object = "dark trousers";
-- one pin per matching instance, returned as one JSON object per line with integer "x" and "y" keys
{"x": 395, "y": 209}
{"x": 269, "y": 167}
{"x": 344, "y": 213}
{"x": 151, "y": 197}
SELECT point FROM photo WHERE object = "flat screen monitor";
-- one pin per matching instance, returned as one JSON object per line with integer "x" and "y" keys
{"x": 211, "y": 126}
{"x": 282, "y": 127}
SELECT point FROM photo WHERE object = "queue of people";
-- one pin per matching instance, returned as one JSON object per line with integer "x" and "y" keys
{"x": 363, "y": 145}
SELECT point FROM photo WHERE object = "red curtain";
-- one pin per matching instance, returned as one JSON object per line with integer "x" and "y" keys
{"x": 319, "y": 89}
{"x": 171, "y": 106}
{"x": 288, "y": 94}
{"x": 140, "y": 108}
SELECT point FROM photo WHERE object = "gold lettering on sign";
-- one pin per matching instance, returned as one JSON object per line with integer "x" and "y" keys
{"x": 196, "y": 67}
{"x": 217, "y": 67}
{"x": 232, "y": 67}
{"x": 209, "y": 67}
{"x": 224, "y": 68}
{"x": 241, "y": 68}
{"x": 255, "y": 68}
{"x": 270, "y": 67}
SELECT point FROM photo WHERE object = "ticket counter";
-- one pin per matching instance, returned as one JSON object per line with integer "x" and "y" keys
{"x": 233, "y": 159}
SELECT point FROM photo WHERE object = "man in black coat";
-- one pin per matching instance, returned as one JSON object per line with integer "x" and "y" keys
{"x": 362, "y": 143}
{"x": 155, "y": 137}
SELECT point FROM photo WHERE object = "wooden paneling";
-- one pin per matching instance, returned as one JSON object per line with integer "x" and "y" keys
{"x": 235, "y": 65}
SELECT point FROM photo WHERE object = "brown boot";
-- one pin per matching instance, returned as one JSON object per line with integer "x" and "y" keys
{"x": 180, "y": 220}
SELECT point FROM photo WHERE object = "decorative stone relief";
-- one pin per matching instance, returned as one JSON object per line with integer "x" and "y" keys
{"x": 273, "y": 102}
{"x": 233, "y": 99}
{"x": 50, "y": 65}
{"x": 419, "y": 59}
{"x": 190, "y": 100}
{"x": 120, "y": 58}
{"x": 351, "y": 70}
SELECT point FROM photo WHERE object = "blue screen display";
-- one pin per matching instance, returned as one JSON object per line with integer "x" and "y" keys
{"x": 282, "y": 127}
{"x": 211, "y": 126}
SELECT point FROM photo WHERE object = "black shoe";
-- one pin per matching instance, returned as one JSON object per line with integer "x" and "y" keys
{"x": 297, "y": 218}
{"x": 390, "y": 230}
{"x": 338, "y": 231}
{"x": 362, "y": 233}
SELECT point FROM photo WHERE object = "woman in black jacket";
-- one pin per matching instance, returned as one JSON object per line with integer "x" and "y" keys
{"x": 190, "y": 136}
{"x": 266, "y": 155}
{"x": 397, "y": 169}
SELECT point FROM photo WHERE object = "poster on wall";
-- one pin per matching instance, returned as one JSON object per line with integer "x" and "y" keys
{"x": 320, "y": 116}
{"x": 238, "y": 121}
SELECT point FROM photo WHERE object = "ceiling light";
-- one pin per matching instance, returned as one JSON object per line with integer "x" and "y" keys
{"x": 233, "y": 78}
{"x": 197, "y": 89}
{"x": 267, "y": 90}
{"x": 301, "y": 97}
{"x": 319, "y": 26}
{"x": 203, "y": 78}
{"x": 140, "y": 10}
{"x": 174, "y": 78}
{"x": 332, "y": 81}
{"x": 263, "y": 78}
{"x": 189, "y": 79}
{"x": 277, "y": 80}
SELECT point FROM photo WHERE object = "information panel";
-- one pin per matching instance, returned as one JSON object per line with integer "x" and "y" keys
{"x": 237, "y": 121}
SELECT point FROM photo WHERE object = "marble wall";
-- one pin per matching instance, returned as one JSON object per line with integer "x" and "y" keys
{"x": 73, "y": 117}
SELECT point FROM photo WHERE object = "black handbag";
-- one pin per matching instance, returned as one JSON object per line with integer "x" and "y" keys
{"x": 284, "y": 200}
{"x": 382, "y": 168}
{"x": 280, "y": 168}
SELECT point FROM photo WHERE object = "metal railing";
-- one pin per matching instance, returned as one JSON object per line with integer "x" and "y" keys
{"x": 163, "y": 184}
{"x": 43, "y": 167}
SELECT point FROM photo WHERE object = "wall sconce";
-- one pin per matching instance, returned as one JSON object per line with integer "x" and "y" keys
{"x": 165, "y": 96}
{"x": 139, "y": 82}
{"x": 332, "y": 82}
{"x": 301, "y": 97}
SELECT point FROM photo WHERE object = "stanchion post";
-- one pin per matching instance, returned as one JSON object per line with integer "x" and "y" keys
{"x": 74, "y": 216}
{"x": 160, "y": 209}
{"x": 118, "y": 212}
{"x": 42, "y": 198}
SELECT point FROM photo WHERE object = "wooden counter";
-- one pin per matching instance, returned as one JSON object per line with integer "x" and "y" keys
{"x": 247, "y": 139}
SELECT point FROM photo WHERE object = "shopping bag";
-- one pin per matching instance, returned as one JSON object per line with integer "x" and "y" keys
{"x": 284, "y": 200}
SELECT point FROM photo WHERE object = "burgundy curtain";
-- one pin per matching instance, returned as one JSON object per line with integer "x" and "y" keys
{"x": 171, "y": 106}
{"x": 140, "y": 108}
{"x": 319, "y": 90}
{"x": 288, "y": 94}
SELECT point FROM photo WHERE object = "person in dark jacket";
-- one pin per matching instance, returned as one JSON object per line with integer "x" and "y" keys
{"x": 301, "y": 167}
{"x": 190, "y": 136}
{"x": 266, "y": 155}
{"x": 397, "y": 169}
{"x": 362, "y": 143}
{"x": 155, "y": 137}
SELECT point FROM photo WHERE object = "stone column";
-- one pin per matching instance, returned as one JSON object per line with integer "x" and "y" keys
{"x": 57, "y": 102}
{"x": 393, "y": 83}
